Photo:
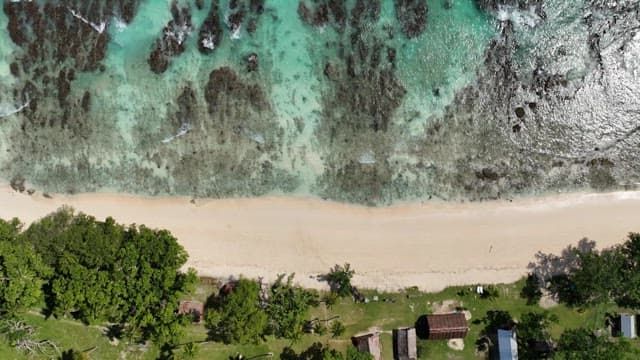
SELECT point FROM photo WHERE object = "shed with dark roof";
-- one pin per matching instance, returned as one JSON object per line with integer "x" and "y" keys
{"x": 404, "y": 344}
{"x": 368, "y": 343}
{"x": 446, "y": 326}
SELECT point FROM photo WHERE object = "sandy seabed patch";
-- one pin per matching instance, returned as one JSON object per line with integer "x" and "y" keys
{"x": 430, "y": 245}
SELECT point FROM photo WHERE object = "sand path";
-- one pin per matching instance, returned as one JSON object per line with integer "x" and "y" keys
{"x": 431, "y": 245}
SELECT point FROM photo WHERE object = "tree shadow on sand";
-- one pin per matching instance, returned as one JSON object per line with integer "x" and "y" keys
{"x": 549, "y": 266}
{"x": 553, "y": 271}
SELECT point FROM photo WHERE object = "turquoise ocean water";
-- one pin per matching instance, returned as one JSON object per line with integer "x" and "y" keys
{"x": 289, "y": 126}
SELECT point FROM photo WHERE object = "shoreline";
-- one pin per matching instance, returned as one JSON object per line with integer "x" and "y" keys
{"x": 431, "y": 245}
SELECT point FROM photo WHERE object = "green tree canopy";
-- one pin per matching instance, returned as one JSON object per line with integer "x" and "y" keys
{"x": 339, "y": 279}
{"x": 73, "y": 354}
{"x": 354, "y": 354}
{"x": 288, "y": 307}
{"x": 531, "y": 290}
{"x": 22, "y": 271}
{"x": 316, "y": 351}
{"x": 629, "y": 293}
{"x": 582, "y": 344}
{"x": 237, "y": 317}
{"x": 103, "y": 271}
{"x": 532, "y": 328}
{"x": 601, "y": 276}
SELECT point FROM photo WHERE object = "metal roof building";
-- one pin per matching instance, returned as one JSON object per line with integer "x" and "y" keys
{"x": 404, "y": 344}
{"x": 507, "y": 345}
{"x": 628, "y": 326}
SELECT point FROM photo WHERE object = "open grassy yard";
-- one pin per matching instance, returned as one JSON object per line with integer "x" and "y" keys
{"x": 390, "y": 311}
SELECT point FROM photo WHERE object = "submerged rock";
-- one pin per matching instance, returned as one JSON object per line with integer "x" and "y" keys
{"x": 173, "y": 40}
{"x": 412, "y": 15}
{"x": 252, "y": 62}
{"x": 224, "y": 83}
{"x": 324, "y": 12}
{"x": 211, "y": 31}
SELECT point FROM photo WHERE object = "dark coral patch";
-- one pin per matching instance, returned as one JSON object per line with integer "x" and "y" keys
{"x": 412, "y": 15}
{"x": 172, "y": 42}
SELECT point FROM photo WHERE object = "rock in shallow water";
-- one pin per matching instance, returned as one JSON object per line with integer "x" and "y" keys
{"x": 412, "y": 15}
{"x": 173, "y": 40}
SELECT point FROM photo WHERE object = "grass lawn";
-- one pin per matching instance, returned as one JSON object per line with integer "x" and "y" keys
{"x": 390, "y": 311}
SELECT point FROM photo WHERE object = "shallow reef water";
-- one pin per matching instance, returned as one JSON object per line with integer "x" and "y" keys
{"x": 364, "y": 101}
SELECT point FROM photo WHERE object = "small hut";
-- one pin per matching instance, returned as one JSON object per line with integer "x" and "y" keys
{"x": 368, "y": 343}
{"x": 628, "y": 326}
{"x": 446, "y": 326}
{"x": 193, "y": 308}
{"x": 507, "y": 345}
{"x": 404, "y": 344}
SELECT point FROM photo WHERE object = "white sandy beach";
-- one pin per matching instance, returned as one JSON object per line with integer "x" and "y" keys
{"x": 431, "y": 246}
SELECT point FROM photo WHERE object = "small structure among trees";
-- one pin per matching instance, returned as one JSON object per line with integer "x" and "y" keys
{"x": 507, "y": 345}
{"x": 445, "y": 326}
{"x": 628, "y": 326}
{"x": 404, "y": 344}
{"x": 368, "y": 343}
{"x": 193, "y": 308}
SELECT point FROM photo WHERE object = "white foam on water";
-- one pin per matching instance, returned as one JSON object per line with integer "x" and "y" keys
{"x": 234, "y": 31}
{"x": 184, "y": 129}
{"x": 100, "y": 28}
{"x": 367, "y": 158}
{"x": 6, "y": 110}
{"x": 208, "y": 43}
{"x": 632, "y": 56}
{"x": 119, "y": 24}
{"x": 255, "y": 136}
{"x": 518, "y": 17}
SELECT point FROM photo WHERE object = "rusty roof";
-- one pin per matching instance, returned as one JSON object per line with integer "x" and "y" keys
{"x": 447, "y": 326}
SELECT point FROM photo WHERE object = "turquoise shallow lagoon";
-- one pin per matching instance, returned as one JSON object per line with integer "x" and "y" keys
{"x": 362, "y": 101}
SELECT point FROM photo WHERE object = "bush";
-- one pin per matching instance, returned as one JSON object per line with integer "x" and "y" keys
{"x": 319, "y": 328}
{"x": 237, "y": 317}
{"x": 287, "y": 308}
{"x": 339, "y": 279}
{"x": 330, "y": 299}
{"x": 531, "y": 290}
{"x": 490, "y": 292}
{"x": 337, "y": 329}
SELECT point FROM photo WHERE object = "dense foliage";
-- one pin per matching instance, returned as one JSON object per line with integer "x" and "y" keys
{"x": 242, "y": 315}
{"x": 339, "y": 279}
{"x": 103, "y": 271}
{"x": 288, "y": 308}
{"x": 354, "y": 354}
{"x": 531, "y": 290}
{"x": 608, "y": 275}
{"x": 581, "y": 344}
{"x": 21, "y": 271}
{"x": 237, "y": 316}
{"x": 533, "y": 329}
{"x": 318, "y": 351}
